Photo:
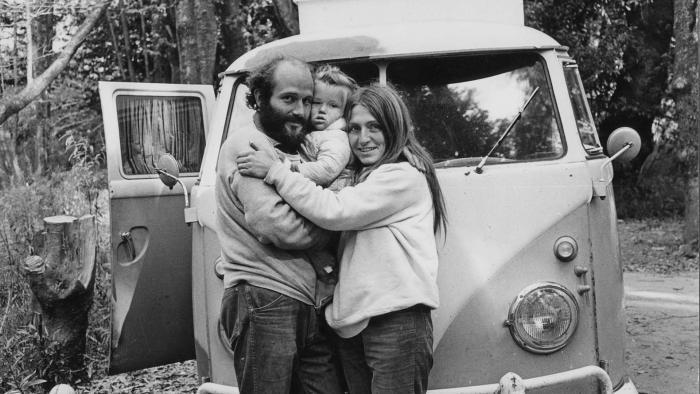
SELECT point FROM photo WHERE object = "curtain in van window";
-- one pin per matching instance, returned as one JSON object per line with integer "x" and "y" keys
{"x": 150, "y": 126}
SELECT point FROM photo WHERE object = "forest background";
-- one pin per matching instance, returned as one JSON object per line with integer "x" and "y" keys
{"x": 638, "y": 60}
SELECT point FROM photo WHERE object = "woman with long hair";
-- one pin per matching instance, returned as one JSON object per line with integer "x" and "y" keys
{"x": 388, "y": 257}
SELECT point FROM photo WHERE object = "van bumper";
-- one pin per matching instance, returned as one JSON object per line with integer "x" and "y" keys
{"x": 510, "y": 383}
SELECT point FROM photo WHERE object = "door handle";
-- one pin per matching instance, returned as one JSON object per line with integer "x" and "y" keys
{"x": 128, "y": 241}
{"x": 136, "y": 238}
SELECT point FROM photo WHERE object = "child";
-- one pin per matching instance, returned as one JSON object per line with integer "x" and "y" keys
{"x": 326, "y": 148}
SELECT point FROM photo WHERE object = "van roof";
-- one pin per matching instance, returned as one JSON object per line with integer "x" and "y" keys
{"x": 398, "y": 40}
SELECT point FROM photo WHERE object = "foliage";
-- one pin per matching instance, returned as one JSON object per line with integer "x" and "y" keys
{"x": 33, "y": 359}
{"x": 596, "y": 33}
{"x": 28, "y": 353}
{"x": 655, "y": 197}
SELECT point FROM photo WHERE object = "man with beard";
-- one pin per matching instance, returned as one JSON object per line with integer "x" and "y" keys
{"x": 271, "y": 307}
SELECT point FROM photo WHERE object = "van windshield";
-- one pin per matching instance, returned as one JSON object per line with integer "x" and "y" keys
{"x": 462, "y": 105}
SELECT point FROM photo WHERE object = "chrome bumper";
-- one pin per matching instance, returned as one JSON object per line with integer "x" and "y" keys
{"x": 510, "y": 383}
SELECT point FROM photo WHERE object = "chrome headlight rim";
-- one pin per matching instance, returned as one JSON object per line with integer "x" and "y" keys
{"x": 531, "y": 344}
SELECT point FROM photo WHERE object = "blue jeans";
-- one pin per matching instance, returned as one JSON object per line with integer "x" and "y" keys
{"x": 393, "y": 354}
{"x": 280, "y": 345}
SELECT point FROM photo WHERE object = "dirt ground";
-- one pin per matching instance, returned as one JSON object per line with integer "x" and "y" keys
{"x": 662, "y": 332}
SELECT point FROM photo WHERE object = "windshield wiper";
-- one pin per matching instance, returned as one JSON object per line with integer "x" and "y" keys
{"x": 479, "y": 167}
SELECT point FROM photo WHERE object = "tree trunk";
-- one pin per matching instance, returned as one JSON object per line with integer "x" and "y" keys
{"x": 196, "y": 33}
{"x": 62, "y": 279}
{"x": 232, "y": 44}
{"x": 686, "y": 93}
{"x": 42, "y": 26}
{"x": 288, "y": 15}
{"x": 115, "y": 44}
{"x": 127, "y": 42}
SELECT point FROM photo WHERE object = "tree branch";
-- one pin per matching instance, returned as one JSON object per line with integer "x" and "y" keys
{"x": 15, "y": 103}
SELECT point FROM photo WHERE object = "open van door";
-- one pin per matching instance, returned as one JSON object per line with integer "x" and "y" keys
{"x": 151, "y": 243}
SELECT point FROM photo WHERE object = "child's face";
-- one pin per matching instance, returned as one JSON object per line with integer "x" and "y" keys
{"x": 328, "y": 105}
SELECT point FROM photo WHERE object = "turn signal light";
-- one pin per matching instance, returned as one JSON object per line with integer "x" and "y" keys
{"x": 565, "y": 248}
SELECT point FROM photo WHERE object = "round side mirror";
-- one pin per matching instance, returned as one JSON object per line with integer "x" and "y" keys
{"x": 168, "y": 170}
{"x": 621, "y": 137}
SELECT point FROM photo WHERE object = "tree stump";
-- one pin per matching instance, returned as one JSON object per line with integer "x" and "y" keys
{"x": 62, "y": 279}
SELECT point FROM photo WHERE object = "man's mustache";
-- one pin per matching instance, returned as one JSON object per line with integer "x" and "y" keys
{"x": 295, "y": 118}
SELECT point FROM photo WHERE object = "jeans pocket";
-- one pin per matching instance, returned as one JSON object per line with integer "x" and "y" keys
{"x": 230, "y": 316}
{"x": 260, "y": 299}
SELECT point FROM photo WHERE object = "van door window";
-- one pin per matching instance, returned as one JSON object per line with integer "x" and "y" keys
{"x": 584, "y": 120}
{"x": 462, "y": 105}
{"x": 150, "y": 126}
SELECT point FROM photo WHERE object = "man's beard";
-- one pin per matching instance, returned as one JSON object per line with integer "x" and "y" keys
{"x": 274, "y": 124}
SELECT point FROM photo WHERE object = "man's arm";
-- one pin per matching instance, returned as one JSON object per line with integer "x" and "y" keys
{"x": 272, "y": 219}
{"x": 262, "y": 211}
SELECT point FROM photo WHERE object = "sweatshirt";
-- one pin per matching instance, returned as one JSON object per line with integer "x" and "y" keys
{"x": 263, "y": 240}
{"x": 388, "y": 251}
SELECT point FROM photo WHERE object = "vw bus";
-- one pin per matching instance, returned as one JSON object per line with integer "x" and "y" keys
{"x": 530, "y": 276}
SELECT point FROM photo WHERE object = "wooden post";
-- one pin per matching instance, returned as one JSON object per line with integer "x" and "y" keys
{"x": 62, "y": 279}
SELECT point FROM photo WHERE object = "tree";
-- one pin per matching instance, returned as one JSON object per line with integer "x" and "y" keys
{"x": 12, "y": 104}
{"x": 641, "y": 84}
{"x": 288, "y": 16}
{"x": 197, "y": 32}
{"x": 686, "y": 94}
{"x": 41, "y": 32}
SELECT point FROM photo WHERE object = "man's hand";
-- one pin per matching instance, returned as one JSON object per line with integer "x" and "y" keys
{"x": 256, "y": 163}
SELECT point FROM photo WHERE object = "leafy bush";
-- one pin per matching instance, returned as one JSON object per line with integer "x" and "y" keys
{"x": 657, "y": 197}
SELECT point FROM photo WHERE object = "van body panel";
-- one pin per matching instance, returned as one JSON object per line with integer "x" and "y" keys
{"x": 313, "y": 14}
{"x": 607, "y": 283}
{"x": 487, "y": 215}
{"x": 151, "y": 244}
{"x": 398, "y": 40}
{"x": 477, "y": 348}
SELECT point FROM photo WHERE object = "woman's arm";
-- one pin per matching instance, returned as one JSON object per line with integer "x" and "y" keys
{"x": 385, "y": 197}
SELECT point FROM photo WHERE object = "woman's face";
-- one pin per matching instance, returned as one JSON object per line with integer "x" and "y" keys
{"x": 366, "y": 136}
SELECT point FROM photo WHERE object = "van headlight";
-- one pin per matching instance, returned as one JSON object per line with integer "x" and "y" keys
{"x": 543, "y": 317}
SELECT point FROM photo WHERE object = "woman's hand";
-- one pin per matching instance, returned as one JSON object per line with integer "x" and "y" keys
{"x": 256, "y": 163}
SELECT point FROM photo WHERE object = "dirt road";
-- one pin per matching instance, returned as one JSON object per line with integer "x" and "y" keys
{"x": 662, "y": 332}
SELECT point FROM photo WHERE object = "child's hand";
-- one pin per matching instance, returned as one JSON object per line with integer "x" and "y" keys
{"x": 256, "y": 163}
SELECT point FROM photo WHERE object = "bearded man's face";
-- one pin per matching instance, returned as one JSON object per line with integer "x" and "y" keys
{"x": 284, "y": 117}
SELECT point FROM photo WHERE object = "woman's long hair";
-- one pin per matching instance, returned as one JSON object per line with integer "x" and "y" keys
{"x": 387, "y": 107}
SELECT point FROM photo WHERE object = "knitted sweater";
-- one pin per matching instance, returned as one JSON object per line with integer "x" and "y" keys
{"x": 388, "y": 252}
{"x": 263, "y": 240}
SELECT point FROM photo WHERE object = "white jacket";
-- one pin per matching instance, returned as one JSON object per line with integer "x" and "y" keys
{"x": 388, "y": 256}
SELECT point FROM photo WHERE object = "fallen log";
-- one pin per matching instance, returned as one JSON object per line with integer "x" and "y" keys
{"x": 62, "y": 279}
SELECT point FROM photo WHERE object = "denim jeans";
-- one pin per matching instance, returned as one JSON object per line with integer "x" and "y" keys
{"x": 280, "y": 345}
{"x": 393, "y": 354}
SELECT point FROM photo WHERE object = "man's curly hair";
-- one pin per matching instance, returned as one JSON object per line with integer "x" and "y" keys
{"x": 261, "y": 80}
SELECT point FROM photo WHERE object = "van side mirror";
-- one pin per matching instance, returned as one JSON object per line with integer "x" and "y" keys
{"x": 168, "y": 170}
{"x": 624, "y": 144}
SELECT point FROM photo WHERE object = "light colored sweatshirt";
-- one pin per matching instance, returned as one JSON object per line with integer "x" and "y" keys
{"x": 327, "y": 153}
{"x": 388, "y": 252}
{"x": 263, "y": 240}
